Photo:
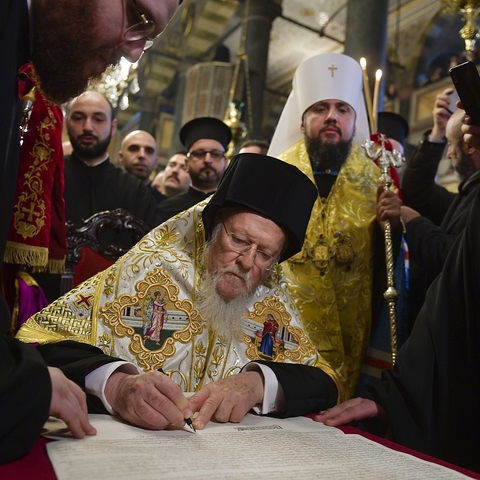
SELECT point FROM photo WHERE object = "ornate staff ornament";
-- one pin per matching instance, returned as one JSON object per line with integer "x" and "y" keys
{"x": 377, "y": 149}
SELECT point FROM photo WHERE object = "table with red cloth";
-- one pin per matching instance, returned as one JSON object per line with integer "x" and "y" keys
{"x": 37, "y": 464}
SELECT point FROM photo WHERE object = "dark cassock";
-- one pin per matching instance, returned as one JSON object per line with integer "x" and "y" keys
{"x": 14, "y": 51}
{"x": 90, "y": 190}
{"x": 444, "y": 215}
{"x": 159, "y": 196}
{"x": 432, "y": 396}
{"x": 171, "y": 206}
{"x": 194, "y": 130}
{"x": 25, "y": 392}
{"x": 24, "y": 380}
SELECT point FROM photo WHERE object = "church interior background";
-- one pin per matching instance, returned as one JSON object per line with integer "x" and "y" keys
{"x": 235, "y": 60}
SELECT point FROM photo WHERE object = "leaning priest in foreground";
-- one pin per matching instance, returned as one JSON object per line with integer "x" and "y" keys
{"x": 188, "y": 309}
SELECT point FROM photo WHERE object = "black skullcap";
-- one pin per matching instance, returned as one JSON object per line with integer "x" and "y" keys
{"x": 272, "y": 188}
{"x": 393, "y": 126}
{"x": 205, "y": 127}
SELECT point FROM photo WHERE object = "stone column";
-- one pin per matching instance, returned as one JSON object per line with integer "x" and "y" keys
{"x": 258, "y": 24}
{"x": 366, "y": 36}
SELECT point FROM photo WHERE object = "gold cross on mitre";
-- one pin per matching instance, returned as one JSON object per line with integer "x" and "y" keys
{"x": 332, "y": 69}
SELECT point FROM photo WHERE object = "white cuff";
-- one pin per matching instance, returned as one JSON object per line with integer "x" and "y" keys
{"x": 273, "y": 397}
{"x": 96, "y": 380}
{"x": 435, "y": 140}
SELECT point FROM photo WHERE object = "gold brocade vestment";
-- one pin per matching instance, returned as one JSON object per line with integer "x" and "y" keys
{"x": 143, "y": 310}
{"x": 331, "y": 278}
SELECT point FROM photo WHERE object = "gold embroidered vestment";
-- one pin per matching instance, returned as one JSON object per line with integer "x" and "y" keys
{"x": 331, "y": 278}
{"x": 143, "y": 309}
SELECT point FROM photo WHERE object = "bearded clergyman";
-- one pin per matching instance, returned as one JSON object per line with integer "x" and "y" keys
{"x": 338, "y": 278}
{"x": 186, "y": 310}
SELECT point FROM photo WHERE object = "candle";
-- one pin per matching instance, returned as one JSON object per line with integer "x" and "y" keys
{"x": 378, "y": 77}
{"x": 366, "y": 88}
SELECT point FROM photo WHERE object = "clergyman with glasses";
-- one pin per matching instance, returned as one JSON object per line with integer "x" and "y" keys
{"x": 206, "y": 141}
{"x": 69, "y": 43}
{"x": 217, "y": 267}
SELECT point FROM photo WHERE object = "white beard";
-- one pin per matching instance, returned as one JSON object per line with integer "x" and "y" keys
{"x": 219, "y": 314}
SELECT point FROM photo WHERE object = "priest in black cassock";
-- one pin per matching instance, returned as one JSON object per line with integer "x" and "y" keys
{"x": 65, "y": 41}
{"x": 92, "y": 182}
{"x": 206, "y": 140}
{"x": 430, "y": 400}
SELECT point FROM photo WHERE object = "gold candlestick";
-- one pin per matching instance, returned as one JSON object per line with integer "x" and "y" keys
{"x": 378, "y": 78}
{"x": 368, "y": 97}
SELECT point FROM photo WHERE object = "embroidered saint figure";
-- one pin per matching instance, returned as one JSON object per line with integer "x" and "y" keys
{"x": 155, "y": 318}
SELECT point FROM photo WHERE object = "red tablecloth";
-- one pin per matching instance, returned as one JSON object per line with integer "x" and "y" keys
{"x": 36, "y": 464}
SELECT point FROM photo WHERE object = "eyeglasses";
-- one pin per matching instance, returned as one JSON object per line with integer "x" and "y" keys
{"x": 139, "y": 30}
{"x": 242, "y": 245}
{"x": 200, "y": 154}
{"x": 143, "y": 29}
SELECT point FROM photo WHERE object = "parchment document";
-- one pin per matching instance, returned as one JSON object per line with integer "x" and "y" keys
{"x": 256, "y": 448}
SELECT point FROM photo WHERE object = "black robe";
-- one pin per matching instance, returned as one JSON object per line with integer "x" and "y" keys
{"x": 14, "y": 51}
{"x": 444, "y": 215}
{"x": 159, "y": 196}
{"x": 171, "y": 206}
{"x": 25, "y": 389}
{"x": 419, "y": 189}
{"x": 432, "y": 396}
{"x": 428, "y": 243}
{"x": 89, "y": 190}
{"x": 25, "y": 392}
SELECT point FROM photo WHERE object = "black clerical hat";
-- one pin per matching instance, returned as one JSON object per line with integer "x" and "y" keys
{"x": 274, "y": 189}
{"x": 393, "y": 126}
{"x": 205, "y": 127}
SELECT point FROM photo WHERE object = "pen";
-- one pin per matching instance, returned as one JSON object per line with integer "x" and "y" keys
{"x": 188, "y": 421}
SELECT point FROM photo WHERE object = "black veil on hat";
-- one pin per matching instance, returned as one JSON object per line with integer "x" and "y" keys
{"x": 274, "y": 189}
{"x": 205, "y": 127}
{"x": 393, "y": 126}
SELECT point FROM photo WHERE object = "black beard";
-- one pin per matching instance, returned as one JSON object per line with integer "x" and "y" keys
{"x": 326, "y": 155}
{"x": 201, "y": 180}
{"x": 464, "y": 167}
{"x": 91, "y": 151}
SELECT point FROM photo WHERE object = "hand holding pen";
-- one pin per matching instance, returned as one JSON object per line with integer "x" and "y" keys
{"x": 151, "y": 400}
{"x": 188, "y": 420}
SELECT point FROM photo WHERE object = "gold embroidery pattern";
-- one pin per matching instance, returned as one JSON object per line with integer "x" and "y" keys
{"x": 330, "y": 279}
{"x": 157, "y": 250}
{"x": 272, "y": 305}
{"x": 111, "y": 314}
{"x": 218, "y": 354}
{"x": 29, "y": 215}
{"x": 61, "y": 319}
{"x": 109, "y": 281}
{"x": 200, "y": 362}
{"x": 104, "y": 343}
